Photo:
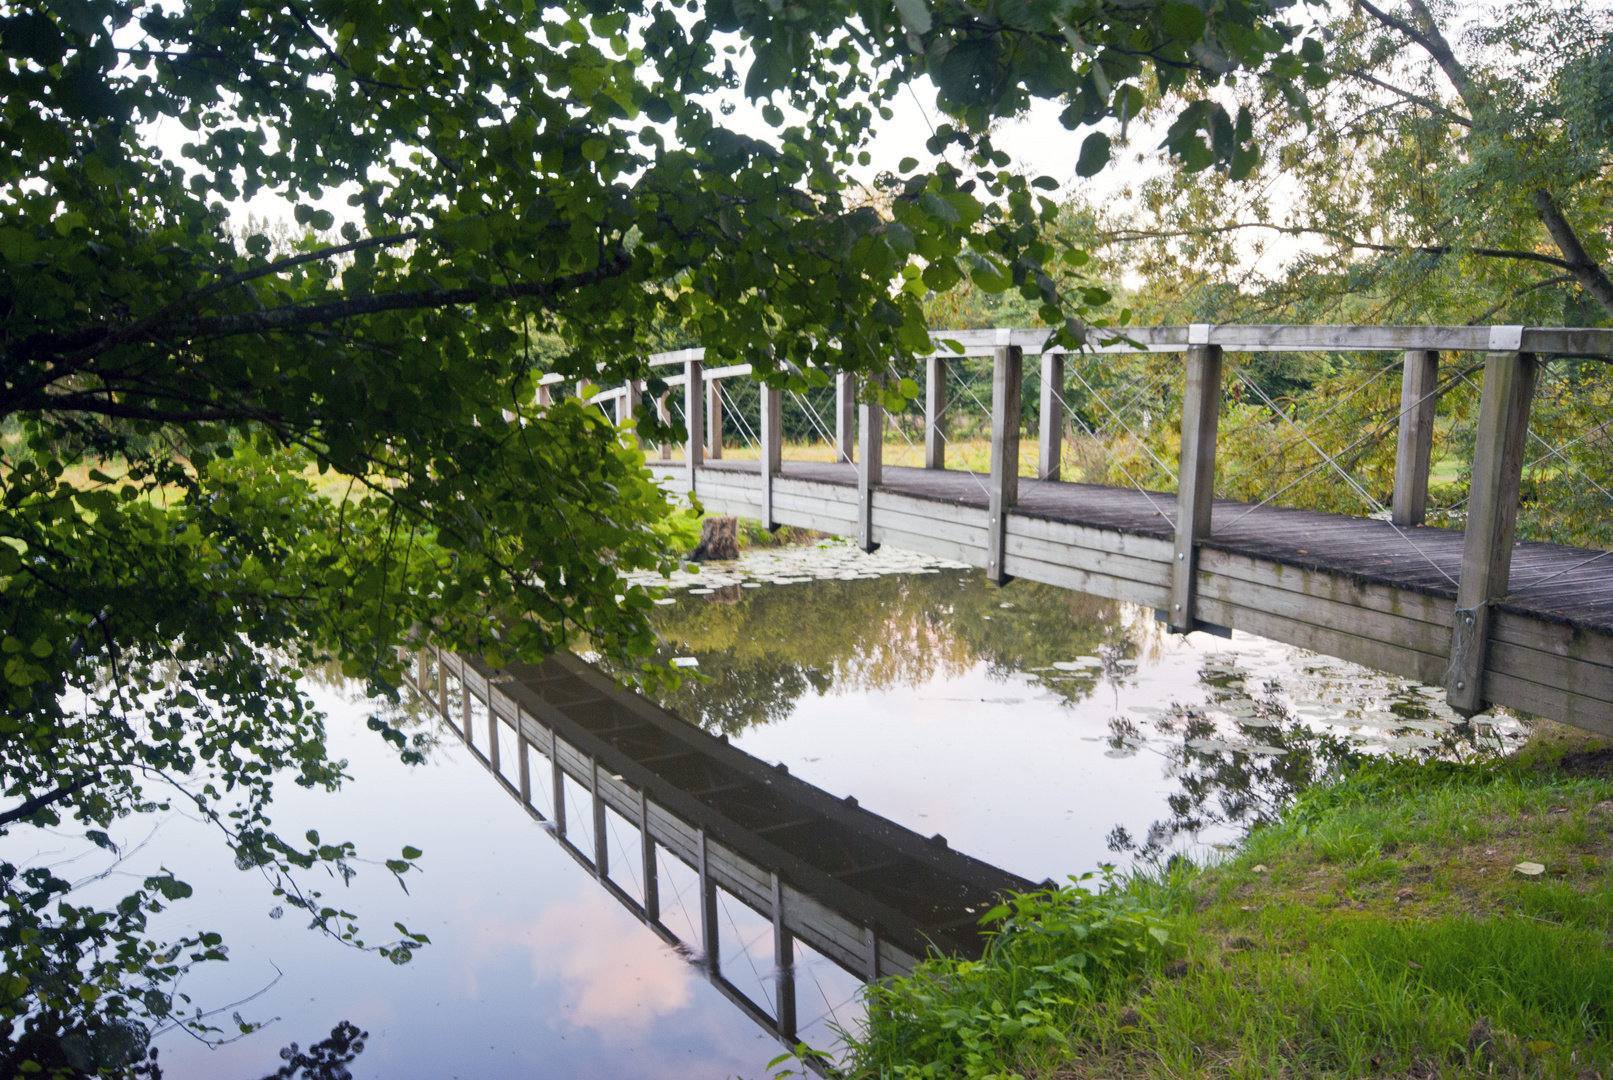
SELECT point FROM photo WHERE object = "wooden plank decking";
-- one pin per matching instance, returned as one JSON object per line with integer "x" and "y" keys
{"x": 1358, "y": 588}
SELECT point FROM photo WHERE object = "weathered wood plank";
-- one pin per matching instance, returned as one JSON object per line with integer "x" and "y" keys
{"x": 1548, "y": 669}
{"x": 1087, "y": 581}
{"x": 1386, "y": 657}
{"x": 1147, "y": 548}
{"x": 1007, "y": 396}
{"x": 1418, "y": 384}
{"x": 1330, "y": 586}
{"x": 1559, "y": 704}
{"x": 1195, "y": 494}
{"x": 928, "y": 545}
{"x": 1424, "y": 637}
{"x": 1145, "y": 572}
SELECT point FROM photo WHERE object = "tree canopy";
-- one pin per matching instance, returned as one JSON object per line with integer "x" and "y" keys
{"x": 224, "y": 462}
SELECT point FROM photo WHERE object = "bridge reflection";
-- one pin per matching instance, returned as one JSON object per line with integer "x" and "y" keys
{"x": 865, "y": 893}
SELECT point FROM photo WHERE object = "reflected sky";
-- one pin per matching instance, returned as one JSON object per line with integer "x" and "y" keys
{"x": 1035, "y": 728}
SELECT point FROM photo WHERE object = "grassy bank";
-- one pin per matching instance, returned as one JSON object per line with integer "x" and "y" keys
{"x": 1381, "y": 928}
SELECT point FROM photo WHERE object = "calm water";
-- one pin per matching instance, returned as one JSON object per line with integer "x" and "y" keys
{"x": 1038, "y": 729}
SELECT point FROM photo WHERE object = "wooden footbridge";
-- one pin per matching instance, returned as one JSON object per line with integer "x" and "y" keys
{"x": 864, "y": 892}
{"x": 1524, "y": 625}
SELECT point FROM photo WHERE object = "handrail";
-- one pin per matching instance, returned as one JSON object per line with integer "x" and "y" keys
{"x": 1590, "y": 342}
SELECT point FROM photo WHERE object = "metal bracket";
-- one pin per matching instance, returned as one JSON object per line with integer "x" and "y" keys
{"x": 1506, "y": 338}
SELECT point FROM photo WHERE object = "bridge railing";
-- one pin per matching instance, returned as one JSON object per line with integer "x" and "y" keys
{"x": 1097, "y": 419}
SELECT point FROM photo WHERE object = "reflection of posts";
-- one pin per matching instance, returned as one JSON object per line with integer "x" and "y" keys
{"x": 861, "y": 891}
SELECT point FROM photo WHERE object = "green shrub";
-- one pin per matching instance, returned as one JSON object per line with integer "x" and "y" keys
{"x": 1054, "y": 953}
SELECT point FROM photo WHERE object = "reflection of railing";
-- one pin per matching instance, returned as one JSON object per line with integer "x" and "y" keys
{"x": 864, "y": 892}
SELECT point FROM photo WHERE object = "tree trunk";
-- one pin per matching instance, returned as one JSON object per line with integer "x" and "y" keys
{"x": 719, "y": 539}
{"x": 1591, "y": 277}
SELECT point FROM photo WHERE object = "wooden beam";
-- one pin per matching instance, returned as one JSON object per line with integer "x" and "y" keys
{"x": 523, "y": 764}
{"x": 1007, "y": 393}
{"x": 714, "y": 419}
{"x": 1195, "y": 486}
{"x": 710, "y": 939}
{"x": 601, "y": 844}
{"x": 1050, "y": 430}
{"x": 664, "y": 451}
{"x": 492, "y": 734}
{"x": 652, "y": 887}
{"x": 935, "y": 405}
{"x": 694, "y": 401}
{"x": 845, "y": 415}
{"x": 559, "y": 775}
{"x": 783, "y": 964}
{"x": 870, "y": 462}
{"x": 772, "y": 432}
{"x": 1416, "y": 444}
{"x": 1492, "y": 512}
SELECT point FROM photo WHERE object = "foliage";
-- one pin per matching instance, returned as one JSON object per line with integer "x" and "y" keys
{"x": 525, "y": 186}
{"x": 1053, "y": 952}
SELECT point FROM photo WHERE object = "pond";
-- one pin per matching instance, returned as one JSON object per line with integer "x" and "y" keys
{"x": 1039, "y": 730}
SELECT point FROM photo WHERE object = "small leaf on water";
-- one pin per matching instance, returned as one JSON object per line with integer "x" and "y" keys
{"x": 1259, "y": 868}
{"x": 1530, "y": 869}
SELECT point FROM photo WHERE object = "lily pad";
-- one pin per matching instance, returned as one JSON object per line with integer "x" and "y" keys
{"x": 1530, "y": 869}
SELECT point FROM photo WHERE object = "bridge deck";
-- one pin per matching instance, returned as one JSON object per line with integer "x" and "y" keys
{"x": 1358, "y": 588}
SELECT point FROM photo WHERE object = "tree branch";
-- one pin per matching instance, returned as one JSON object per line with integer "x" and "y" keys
{"x": 1348, "y": 241}
{"x": 1432, "y": 41}
{"x": 39, "y": 802}
{"x": 1590, "y": 275}
{"x": 1416, "y": 99}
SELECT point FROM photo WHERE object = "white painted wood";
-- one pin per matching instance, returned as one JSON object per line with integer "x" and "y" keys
{"x": 772, "y": 434}
{"x": 935, "y": 404}
{"x": 870, "y": 462}
{"x": 845, "y": 416}
{"x": 1195, "y": 495}
{"x": 694, "y": 400}
{"x": 713, "y": 418}
{"x": 1007, "y": 395}
{"x": 1050, "y": 430}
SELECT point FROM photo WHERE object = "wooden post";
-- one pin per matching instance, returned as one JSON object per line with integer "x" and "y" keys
{"x": 442, "y": 687}
{"x": 714, "y": 420}
{"x": 772, "y": 448}
{"x": 845, "y": 415}
{"x": 1492, "y": 513}
{"x": 935, "y": 407}
{"x": 1007, "y": 379}
{"x": 1195, "y": 485}
{"x": 545, "y": 397}
{"x": 1412, "y": 452}
{"x": 420, "y": 671}
{"x": 464, "y": 711}
{"x": 652, "y": 887}
{"x": 523, "y": 763}
{"x": 783, "y": 964}
{"x": 870, "y": 462}
{"x": 492, "y": 731}
{"x": 1050, "y": 444}
{"x": 665, "y": 414}
{"x": 709, "y": 940}
{"x": 601, "y": 847}
{"x": 627, "y": 405}
{"x": 559, "y": 781}
{"x": 694, "y": 399}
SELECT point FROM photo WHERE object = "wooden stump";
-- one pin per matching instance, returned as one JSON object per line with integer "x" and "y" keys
{"x": 719, "y": 539}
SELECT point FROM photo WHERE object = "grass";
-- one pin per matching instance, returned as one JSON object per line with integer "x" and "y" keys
{"x": 1379, "y": 929}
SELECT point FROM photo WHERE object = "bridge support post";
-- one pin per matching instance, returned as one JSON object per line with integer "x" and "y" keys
{"x": 1007, "y": 392}
{"x": 627, "y": 405}
{"x": 465, "y": 710}
{"x": 845, "y": 415}
{"x": 523, "y": 763}
{"x": 559, "y": 781}
{"x": 710, "y": 943}
{"x": 1492, "y": 513}
{"x": 601, "y": 846}
{"x": 714, "y": 420}
{"x": 694, "y": 409}
{"x": 1050, "y": 429}
{"x": 664, "y": 451}
{"x": 1416, "y": 442}
{"x": 652, "y": 887}
{"x": 1195, "y": 478}
{"x": 772, "y": 432}
{"x": 870, "y": 462}
{"x": 442, "y": 687}
{"x": 783, "y": 964}
{"x": 492, "y": 732}
{"x": 935, "y": 405}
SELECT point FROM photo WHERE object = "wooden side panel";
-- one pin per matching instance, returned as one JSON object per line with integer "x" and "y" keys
{"x": 1307, "y": 635}
{"x": 1088, "y": 581}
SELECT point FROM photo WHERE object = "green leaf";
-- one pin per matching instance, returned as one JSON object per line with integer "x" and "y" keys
{"x": 1184, "y": 22}
{"x": 1094, "y": 155}
{"x": 411, "y": 852}
{"x": 915, "y": 15}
